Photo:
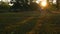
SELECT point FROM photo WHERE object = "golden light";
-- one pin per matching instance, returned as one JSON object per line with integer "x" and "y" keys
{"x": 43, "y": 3}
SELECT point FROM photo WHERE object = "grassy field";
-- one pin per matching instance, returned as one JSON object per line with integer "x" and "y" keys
{"x": 9, "y": 20}
{"x": 12, "y": 23}
{"x": 51, "y": 24}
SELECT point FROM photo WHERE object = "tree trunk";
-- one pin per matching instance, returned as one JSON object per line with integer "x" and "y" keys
{"x": 57, "y": 5}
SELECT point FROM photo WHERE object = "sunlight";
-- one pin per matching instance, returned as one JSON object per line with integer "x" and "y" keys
{"x": 9, "y": 0}
{"x": 0, "y": 0}
{"x": 43, "y": 3}
{"x": 54, "y": 1}
{"x": 10, "y": 4}
{"x": 6, "y": 0}
{"x": 38, "y": 1}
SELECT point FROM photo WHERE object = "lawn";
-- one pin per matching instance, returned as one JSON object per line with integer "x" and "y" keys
{"x": 9, "y": 19}
{"x": 50, "y": 23}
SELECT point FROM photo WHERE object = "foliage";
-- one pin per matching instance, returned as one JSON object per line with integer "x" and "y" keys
{"x": 4, "y": 5}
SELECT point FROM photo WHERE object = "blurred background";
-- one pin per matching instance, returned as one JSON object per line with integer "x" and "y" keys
{"x": 29, "y": 16}
{"x": 28, "y": 5}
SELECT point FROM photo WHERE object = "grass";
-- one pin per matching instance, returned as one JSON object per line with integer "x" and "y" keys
{"x": 7, "y": 19}
{"x": 13, "y": 17}
{"x": 50, "y": 23}
{"x": 10, "y": 18}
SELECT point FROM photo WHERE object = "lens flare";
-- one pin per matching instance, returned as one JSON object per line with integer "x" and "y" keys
{"x": 44, "y": 3}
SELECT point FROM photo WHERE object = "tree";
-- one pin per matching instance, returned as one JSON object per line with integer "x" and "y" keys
{"x": 21, "y": 4}
{"x": 58, "y": 2}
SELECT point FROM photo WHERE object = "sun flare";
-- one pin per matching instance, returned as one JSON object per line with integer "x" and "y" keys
{"x": 43, "y": 3}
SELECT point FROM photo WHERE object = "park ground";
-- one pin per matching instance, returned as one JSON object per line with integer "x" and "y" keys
{"x": 30, "y": 22}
